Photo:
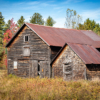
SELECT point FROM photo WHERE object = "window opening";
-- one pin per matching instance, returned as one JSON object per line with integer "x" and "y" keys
{"x": 26, "y": 51}
{"x": 26, "y": 38}
{"x": 15, "y": 64}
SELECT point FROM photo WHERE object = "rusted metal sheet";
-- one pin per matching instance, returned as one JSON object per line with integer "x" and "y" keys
{"x": 59, "y": 36}
{"x": 86, "y": 52}
{"x": 91, "y": 34}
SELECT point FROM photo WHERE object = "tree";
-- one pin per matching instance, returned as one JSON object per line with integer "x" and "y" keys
{"x": 37, "y": 19}
{"x": 50, "y": 21}
{"x": 6, "y": 39}
{"x": 13, "y": 26}
{"x": 2, "y": 25}
{"x": 7, "y": 25}
{"x": 72, "y": 19}
{"x": 90, "y": 25}
{"x": 21, "y": 21}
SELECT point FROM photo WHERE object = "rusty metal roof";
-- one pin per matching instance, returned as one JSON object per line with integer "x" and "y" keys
{"x": 59, "y": 36}
{"x": 87, "y": 53}
{"x": 91, "y": 34}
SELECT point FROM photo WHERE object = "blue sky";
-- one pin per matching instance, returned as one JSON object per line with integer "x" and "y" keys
{"x": 54, "y": 8}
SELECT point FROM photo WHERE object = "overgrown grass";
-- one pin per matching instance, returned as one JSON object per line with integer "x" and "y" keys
{"x": 15, "y": 88}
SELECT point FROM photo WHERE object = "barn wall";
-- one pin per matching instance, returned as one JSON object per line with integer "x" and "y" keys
{"x": 93, "y": 71}
{"x": 68, "y": 56}
{"x": 40, "y": 51}
{"x": 54, "y": 51}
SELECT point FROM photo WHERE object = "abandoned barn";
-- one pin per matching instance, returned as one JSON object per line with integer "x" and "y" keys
{"x": 43, "y": 51}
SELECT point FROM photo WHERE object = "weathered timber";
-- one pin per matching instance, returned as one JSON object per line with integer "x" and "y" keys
{"x": 92, "y": 71}
{"x": 54, "y": 51}
{"x": 27, "y": 65}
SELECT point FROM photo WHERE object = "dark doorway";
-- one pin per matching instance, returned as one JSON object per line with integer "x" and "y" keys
{"x": 38, "y": 69}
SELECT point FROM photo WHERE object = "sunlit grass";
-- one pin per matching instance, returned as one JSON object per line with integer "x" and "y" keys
{"x": 16, "y": 88}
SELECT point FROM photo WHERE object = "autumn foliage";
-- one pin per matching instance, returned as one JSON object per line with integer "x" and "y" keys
{"x": 7, "y": 37}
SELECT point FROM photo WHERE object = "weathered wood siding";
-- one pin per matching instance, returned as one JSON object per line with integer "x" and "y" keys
{"x": 40, "y": 51}
{"x": 54, "y": 51}
{"x": 77, "y": 68}
{"x": 93, "y": 71}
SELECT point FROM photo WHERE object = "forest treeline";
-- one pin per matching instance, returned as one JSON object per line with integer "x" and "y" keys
{"x": 9, "y": 28}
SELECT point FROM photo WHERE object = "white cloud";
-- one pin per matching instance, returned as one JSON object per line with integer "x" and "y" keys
{"x": 59, "y": 22}
{"x": 31, "y": 7}
{"x": 92, "y": 14}
{"x": 75, "y": 1}
{"x": 18, "y": 4}
{"x": 44, "y": 4}
{"x": 58, "y": 8}
{"x": 33, "y": 3}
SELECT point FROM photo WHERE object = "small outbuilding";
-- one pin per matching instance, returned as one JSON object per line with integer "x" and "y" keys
{"x": 37, "y": 50}
{"x": 76, "y": 61}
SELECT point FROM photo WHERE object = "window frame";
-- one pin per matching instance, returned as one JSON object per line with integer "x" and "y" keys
{"x": 24, "y": 38}
{"x": 67, "y": 65}
{"x": 24, "y": 49}
{"x": 15, "y": 67}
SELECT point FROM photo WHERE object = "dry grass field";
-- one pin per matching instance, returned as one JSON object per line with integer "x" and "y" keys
{"x": 15, "y": 88}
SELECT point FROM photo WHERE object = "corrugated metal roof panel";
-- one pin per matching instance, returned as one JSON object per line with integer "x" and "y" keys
{"x": 91, "y": 34}
{"x": 60, "y": 36}
{"x": 86, "y": 52}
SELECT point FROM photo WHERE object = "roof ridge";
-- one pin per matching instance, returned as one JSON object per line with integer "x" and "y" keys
{"x": 50, "y": 26}
{"x": 78, "y": 43}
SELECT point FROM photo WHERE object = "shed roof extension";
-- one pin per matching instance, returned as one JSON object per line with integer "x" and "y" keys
{"x": 87, "y": 53}
{"x": 59, "y": 36}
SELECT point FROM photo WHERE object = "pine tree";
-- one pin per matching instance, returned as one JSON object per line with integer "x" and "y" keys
{"x": 2, "y": 25}
{"x": 8, "y": 25}
{"x": 90, "y": 25}
{"x": 37, "y": 19}
{"x": 50, "y": 21}
{"x": 21, "y": 21}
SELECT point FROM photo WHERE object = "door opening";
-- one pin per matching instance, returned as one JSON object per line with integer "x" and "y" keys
{"x": 38, "y": 69}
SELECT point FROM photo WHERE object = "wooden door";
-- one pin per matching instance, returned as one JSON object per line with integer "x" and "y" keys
{"x": 44, "y": 69}
{"x": 33, "y": 69}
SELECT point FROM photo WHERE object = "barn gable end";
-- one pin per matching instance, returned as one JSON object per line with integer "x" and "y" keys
{"x": 68, "y": 58}
{"x": 39, "y": 55}
{"x": 71, "y": 65}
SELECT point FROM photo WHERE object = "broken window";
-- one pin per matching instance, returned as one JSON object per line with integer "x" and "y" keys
{"x": 26, "y": 38}
{"x": 26, "y": 51}
{"x": 67, "y": 68}
{"x": 15, "y": 64}
{"x": 67, "y": 71}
